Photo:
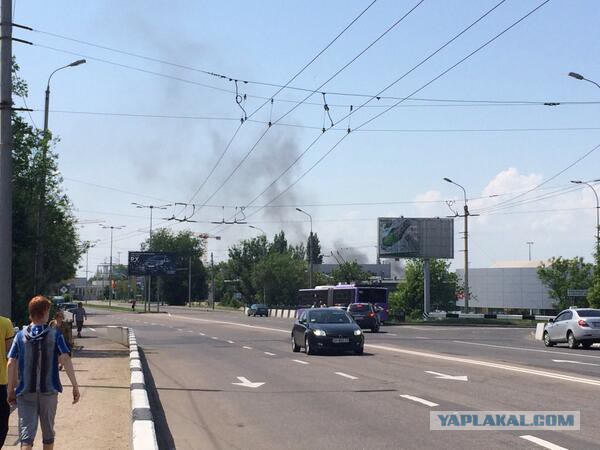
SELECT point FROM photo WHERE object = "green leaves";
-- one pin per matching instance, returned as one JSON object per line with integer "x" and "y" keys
{"x": 561, "y": 274}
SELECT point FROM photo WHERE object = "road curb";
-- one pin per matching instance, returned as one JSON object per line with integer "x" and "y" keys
{"x": 143, "y": 434}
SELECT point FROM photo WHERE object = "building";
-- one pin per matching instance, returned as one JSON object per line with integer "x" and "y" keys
{"x": 509, "y": 286}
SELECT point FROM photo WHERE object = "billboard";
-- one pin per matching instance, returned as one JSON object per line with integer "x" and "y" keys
{"x": 151, "y": 263}
{"x": 403, "y": 237}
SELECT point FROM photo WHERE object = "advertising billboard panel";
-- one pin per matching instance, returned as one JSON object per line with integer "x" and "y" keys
{"x": 151, "y": 263}
{"x": 404, "y": 237}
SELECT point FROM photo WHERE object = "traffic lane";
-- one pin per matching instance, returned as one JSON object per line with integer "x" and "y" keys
{"x": 221, "y": 329}
{"x": 519, "y": 350}
{"x": 332, "y": 408}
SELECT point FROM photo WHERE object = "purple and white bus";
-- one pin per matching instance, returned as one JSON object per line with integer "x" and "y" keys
{"x": 344, "y": 295}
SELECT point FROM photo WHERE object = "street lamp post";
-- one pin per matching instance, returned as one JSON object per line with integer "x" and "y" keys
{"x": 86, "y": 246}
{"x": 588, "y": 184}
{"x": 466, "y": 215}
{"x": 310, "y": 239}
{"x": 529, "y": 244}
{"x": 38, "y": 265}
{"x": 110, "y": 263}
{"x": 149, "y": 279}
{"x": 581, "y": 77}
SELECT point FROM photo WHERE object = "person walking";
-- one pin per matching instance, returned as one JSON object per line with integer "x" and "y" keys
{"x": 33, "y": 380}
{"x": 133, "y": 305}
{"x": 79, "y": 315}
{"x": 6, "y": 336}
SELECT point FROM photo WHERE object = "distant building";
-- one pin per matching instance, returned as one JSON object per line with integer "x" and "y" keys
{"x": 507, "y": 286}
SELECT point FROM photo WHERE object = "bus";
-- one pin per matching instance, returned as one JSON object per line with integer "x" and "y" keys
{"x": 343, "y": 295}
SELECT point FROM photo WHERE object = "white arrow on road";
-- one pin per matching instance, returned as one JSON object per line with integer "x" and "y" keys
{"x": 247, "y": 383}
{"x": 443, "y": 376}
{"x": 574, "y": 362}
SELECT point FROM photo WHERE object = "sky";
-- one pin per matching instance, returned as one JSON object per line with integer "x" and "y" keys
{"x": 151, "y": 129}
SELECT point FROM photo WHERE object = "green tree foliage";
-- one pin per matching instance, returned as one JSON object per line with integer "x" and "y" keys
{"x": 62, "y": 250}
{"x": 279, "y": 276}
{"x": 349, "y": 272}
{"x": 280, "y": 244}
{"x": 561, "y": 274}
{"x": 409, "y": 296}
{"x": 313, "y": 247}
{"x": 173, "y": 289}
{"x": 243, "y": 257}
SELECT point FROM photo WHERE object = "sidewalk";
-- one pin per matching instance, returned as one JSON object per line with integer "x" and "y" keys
{"x": 102, "y": 418}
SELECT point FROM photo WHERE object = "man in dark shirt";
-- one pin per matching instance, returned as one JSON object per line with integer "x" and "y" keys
{"x": 79, "y": 316}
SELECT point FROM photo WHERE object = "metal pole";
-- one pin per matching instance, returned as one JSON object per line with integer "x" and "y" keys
{"x": 6, "y": 159}
{"x": 110, "y": 275}
{"x": 310, "y": 273}
{"x": 212, "y": 280}
{"x": 467, "y": 294}
{"x": 426, "y": 287}
{"x": 529, "y": 244}
{"x": 87, "y": 258}
{"x": 190, "y": 281}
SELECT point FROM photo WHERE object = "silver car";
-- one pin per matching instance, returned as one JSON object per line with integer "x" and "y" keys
{"x": 574, "y": 326}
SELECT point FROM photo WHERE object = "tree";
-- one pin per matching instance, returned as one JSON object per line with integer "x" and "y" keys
{"x": 280, "y": 244}
{"x": 560, "y": 275}
{"x": 61, "y": 247}
{"x": 243, "y": 257}
{"x": 279, "y": 276}
{"x": 173, "y": 289}
{"x": 409, "y": 296}
{"x": 349, "y": 272}
{"x": 314, "y": 249}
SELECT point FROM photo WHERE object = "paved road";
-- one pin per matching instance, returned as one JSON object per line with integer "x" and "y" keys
{"x": 354, "y": 402}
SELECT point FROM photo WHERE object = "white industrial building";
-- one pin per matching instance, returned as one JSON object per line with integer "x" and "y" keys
{"x": 507, "y": 286}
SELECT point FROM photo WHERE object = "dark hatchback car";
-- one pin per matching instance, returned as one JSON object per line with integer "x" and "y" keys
{"x": 258, "y": 310}
{"x": 327, "y": 329}
{"x": 365, "y": 315}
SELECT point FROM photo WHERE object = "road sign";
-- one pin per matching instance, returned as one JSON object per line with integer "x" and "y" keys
{"x": 577, "y": 292}
{"x": 64, "y": 290}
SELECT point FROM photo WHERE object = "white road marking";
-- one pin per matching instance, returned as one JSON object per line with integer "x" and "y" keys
{"x": 92, "y": 329}
{"x": 443, "y": 376}
{"x": 477, "y": 362}
{"x": 189, "y": 331}
{"x": 230, "y": 342}
{"x": 215, "y": 338}
{"x": 345, "y": 375}
{"x": 542, "y": 443}
{"x": 247, "y": 348}
{"x": 578, "y": 355}
{"x": 574, "y": 362}
{"x": 179, "y": 329}
{"x": 247, "y": 383}
{"x": 419, "y": 400}
{"x": 201, "y": 334}
{"x": 269, "y": 354}
{"x": 421, "y": 337}
{"x": 299, "y": 361}
{"x": 391, "y": 334}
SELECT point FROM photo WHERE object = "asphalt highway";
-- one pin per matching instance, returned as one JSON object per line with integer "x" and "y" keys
{"x": 208, "y": 367}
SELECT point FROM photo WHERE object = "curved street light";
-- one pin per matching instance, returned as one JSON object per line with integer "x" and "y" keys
{"x": 310, "y": 263}
{"x": 578, "y": 76}
{"x": 588, "y": 184}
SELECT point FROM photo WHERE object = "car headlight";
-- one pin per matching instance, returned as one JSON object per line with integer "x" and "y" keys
{"x": 357, "y": 332}
{"x": 319, "y": 333}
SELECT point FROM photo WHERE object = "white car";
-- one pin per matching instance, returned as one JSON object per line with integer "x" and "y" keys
{"x": 574, "y": 326}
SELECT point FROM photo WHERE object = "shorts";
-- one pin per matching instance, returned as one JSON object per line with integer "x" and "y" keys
{"x": 33, "y": 407}
{"x": 79, "y": 325}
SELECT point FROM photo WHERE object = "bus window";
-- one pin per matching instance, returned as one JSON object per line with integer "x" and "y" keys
{"x": 344, "y": 296}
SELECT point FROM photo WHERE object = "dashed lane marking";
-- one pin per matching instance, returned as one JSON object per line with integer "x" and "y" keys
{"x": 522, "y": 349}
{"x": 230, "y": 342}
{"x": 542, "y": 442}
{"x": 299, "y": 361}
{"x": 269, "y": 354}
{"x": 345, "y": 375}
{"x": 419, "y": 400}
{"x": 201, "y": 334}
{"x": 92, "y": 329}
{"x": 247, "y": 348}
{"x": 215, "y": 338}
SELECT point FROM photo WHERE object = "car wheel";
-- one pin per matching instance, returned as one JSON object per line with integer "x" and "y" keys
{"x": 586, "y": 344}
{"x": 572, "y": 341}
{"x": 295, "y": 347}
{"x": 360, "y": 350}
{"x": 307, "y": 348}
{"x": 547, "y": 341}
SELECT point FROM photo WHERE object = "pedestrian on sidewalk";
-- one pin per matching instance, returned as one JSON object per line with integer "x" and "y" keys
{"x": 33, "y": 380}
{"x": 79, "y": 315}
{"x": 133, "y": 304}
{"x": 6, "y": 337}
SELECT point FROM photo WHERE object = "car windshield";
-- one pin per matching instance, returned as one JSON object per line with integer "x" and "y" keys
{"x": 588, "y": 312}
{"x": 329, "y": 316}
{"x": 359, "y": 308}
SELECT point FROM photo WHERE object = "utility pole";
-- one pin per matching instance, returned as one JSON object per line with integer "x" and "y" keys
{"x": 212, "y": 280}
{"x": 110, "y": 263}
{"x": 190, "y": 281}
{"x": 466, "y": 215}
{"x": 529, "y": 244}
{"x": 87, "y": 245}
{"x": 310, "y": 259}
{"x": 6, "y": 159}
{"x": 426, "y": 288}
